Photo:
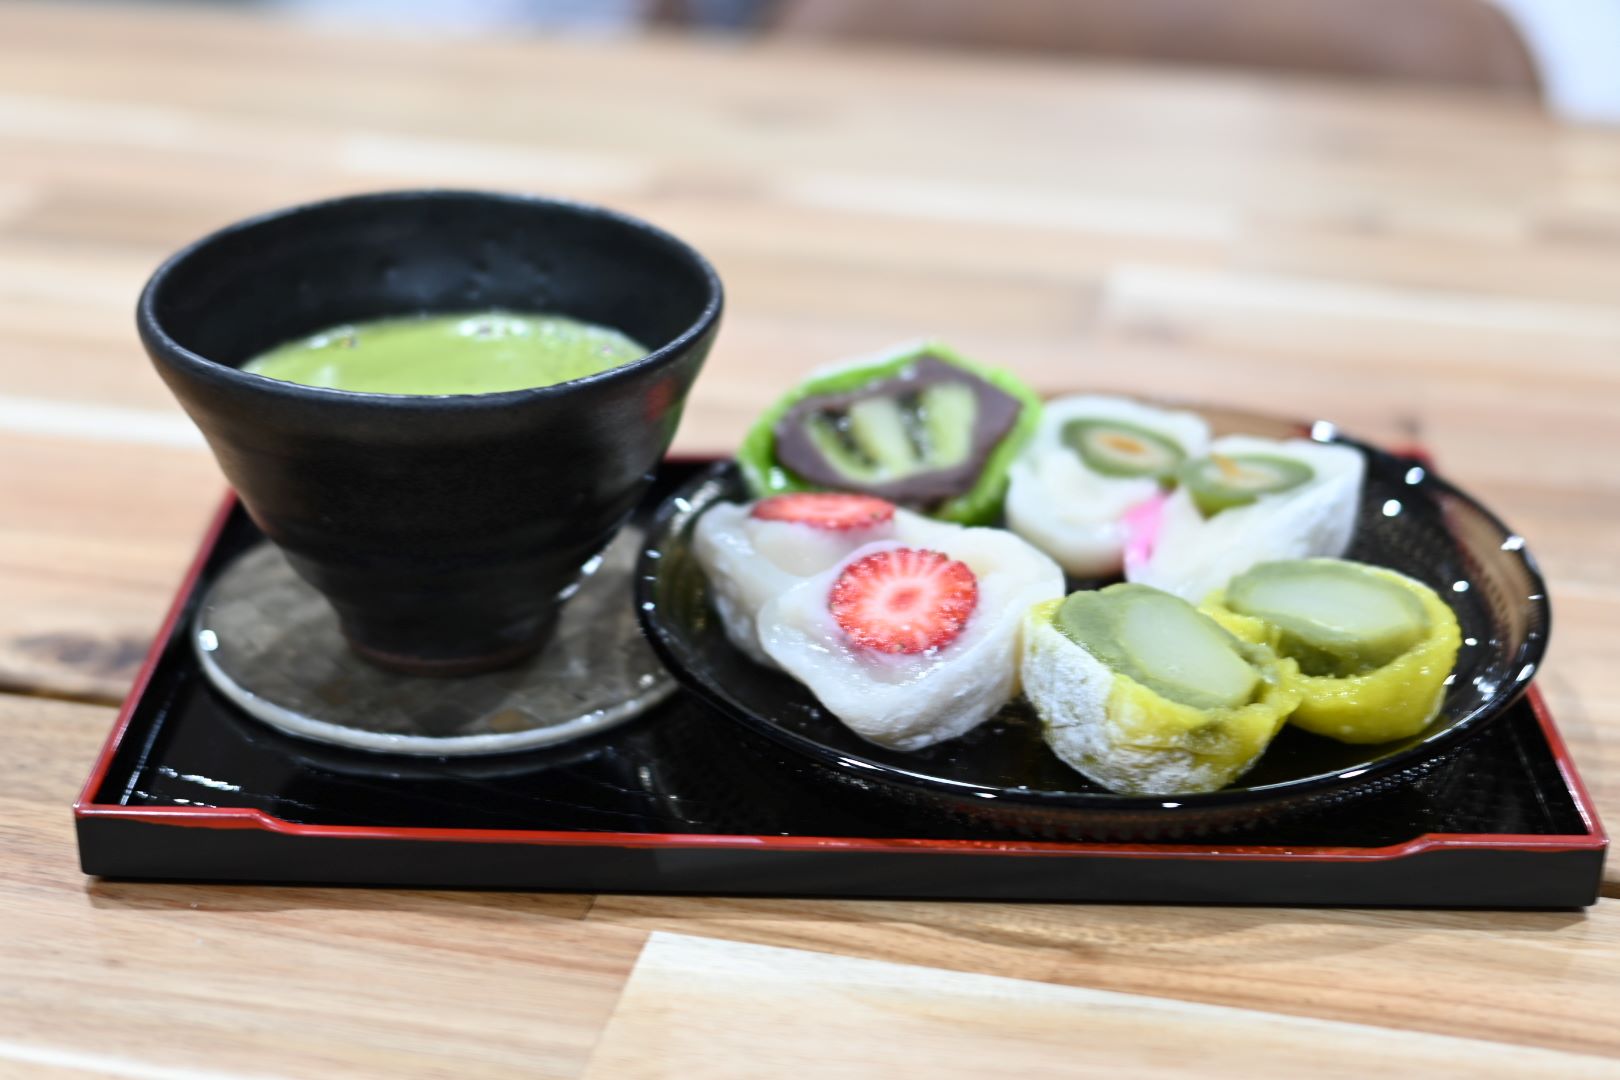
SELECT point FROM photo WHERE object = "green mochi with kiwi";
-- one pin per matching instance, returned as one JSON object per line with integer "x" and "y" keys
{"x": 925, "y": 428}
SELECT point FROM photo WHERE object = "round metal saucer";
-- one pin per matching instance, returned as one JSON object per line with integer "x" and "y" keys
{"x": 271, "y": 644}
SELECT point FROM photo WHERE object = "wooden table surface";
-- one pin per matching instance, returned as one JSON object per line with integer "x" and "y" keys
{"x": 1407, "y": 265}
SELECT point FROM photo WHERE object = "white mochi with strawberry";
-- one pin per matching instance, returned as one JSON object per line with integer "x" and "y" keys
{"x": 754, "y": 552}
{"x": 914, "y": 639}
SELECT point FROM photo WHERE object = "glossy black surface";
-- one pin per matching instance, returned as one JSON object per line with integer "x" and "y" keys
{"x": 1002, "y": 774}
{"x": 1444, "y": 878}
{"x": 441, "y": 528}
{"x": 679, "y": 770}
{"x": 682, "y": 770}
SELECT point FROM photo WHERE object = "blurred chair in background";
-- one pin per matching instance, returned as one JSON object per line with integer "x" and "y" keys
{"x": 1460, "y": 43}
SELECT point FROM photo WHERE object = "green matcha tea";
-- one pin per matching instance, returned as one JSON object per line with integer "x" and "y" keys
{"x": 473, "y": 353}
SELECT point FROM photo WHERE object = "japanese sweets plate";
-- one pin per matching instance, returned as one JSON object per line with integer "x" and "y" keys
{"x": 189, "y": 787}
{"x": 1002, "y": 774}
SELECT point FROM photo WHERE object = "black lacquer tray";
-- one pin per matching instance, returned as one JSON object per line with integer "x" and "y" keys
{"x": 188, "y": 788}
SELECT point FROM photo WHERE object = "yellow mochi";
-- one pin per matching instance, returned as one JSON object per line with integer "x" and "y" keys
{"x": 1229, "y": 740}
{"x": 1135, "y": 741}
{"x": 1395, "y": 701}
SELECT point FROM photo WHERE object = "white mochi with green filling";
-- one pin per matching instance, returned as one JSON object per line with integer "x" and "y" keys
{"x": 1092, "y": 459}
{"x": 1262, "y": 500}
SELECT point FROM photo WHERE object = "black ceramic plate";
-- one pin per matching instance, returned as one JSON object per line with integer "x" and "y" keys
{"x": 1003, "y": 774}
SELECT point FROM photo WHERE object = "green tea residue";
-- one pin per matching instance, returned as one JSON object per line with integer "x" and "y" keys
{"x": 472, "y": 353}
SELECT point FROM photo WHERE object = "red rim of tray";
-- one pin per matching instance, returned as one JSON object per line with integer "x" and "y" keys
{"x": 1594, "y": 839}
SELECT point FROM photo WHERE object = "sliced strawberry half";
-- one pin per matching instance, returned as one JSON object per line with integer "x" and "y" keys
{"x": 904, "y": 600}
{"x": 826, "y": 510}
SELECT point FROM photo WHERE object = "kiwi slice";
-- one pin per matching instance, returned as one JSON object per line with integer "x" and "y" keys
{"x": 1115, "y": 448}
{"x": 918, "y": 437}
{"x": 1334, "y": 617}
{"x": 947, "y": 411}
{"x": 1223, "y": 481}
{"x": 831, "y": 439}
{"x": 879, "y": 430}
{"x": 1162, "y": 642}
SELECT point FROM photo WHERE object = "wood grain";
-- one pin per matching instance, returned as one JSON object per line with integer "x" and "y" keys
{"x": 1464, "y": 42}
{"x": 94, "y": 535}
{"x": 728, "y": 1010}
{"x": 286, "y": 981}
{"x": 1411, "y": 265}
{"x": 1535, "y": 978}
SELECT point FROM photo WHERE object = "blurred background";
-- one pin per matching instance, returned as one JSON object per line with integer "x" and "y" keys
{"x": 1400, "y": 214}
{"x": 1560, "y": 52}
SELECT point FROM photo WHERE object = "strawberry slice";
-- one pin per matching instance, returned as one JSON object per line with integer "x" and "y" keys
{"x": 826, "y": 510}
{"x": 904, "y": 600}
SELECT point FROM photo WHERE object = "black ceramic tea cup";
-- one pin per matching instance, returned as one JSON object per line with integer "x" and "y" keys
{"x": 444, "y": 530}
